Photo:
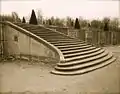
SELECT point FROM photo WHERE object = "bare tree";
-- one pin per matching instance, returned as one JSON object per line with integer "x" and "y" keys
{"x": 59, "y": 22}
{"x": 95, "y": 24}
{"x": 39, "y": 16}
{"x": 52, "y": 20}
{"x": 69, "y": 22}
{"x": 15, "y": 17}
{"x": 114, "y": 24}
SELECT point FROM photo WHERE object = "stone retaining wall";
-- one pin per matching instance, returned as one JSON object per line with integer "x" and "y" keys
{"x": 20, "y": 45}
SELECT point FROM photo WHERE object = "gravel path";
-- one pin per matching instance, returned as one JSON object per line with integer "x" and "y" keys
{"x": 20, "y": 76}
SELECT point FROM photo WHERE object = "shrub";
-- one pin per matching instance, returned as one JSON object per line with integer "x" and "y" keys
{"x": 23, "y": 20}
{"x": 33, "y": 19}
{"x": 77, "y": 25}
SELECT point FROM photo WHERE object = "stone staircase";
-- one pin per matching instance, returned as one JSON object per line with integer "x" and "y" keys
{"x": 80, "y": 57}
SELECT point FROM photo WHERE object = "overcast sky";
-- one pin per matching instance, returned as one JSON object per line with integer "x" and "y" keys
{"x": 61, "y": 8}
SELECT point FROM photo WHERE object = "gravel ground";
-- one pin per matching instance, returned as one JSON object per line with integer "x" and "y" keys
{"x": 27, "y": 78}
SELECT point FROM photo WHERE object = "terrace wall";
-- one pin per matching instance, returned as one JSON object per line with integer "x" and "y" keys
{"x": 93, "y": 36}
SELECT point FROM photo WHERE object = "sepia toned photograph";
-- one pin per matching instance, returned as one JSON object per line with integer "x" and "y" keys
{"x": 59, "y": 46}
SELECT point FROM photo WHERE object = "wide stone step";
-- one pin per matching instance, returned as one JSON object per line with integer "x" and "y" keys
{"x": 30, "y": 27}
{"x": 85, "y": 65}
{"x": 33, "y": 28}
{"x": 23, "y": 24}
{"x": 42, "y": 30}
{"x": 52, "y": 40}
{"x": 39, "y": 31}
{"x": 84, "y": 56}
{"x": 27, "y": 27}
{"x": 50, "y": 37}
{"x": 75, "y": 48}
{"x": 67, "y": 42}
{"x": 89, "y": 59}
{"x": 47, "y": 34}
{"x": 82, "y": 71}
{"x": 81, "y": 53}
{"x": 78, "y": 50}
{"x": 70, "y": 45}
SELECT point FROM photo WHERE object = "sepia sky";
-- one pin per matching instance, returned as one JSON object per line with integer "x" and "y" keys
{"x": 88, "y": 9}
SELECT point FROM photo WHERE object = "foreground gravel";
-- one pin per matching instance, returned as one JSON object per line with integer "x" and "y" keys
{"x": 24, "y": 77}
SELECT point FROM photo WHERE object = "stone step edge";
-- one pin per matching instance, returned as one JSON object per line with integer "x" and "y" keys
{"x": 74, "y": 48}
{"x": 82, "y": 53}
{"x": 84, "y": 60}
{"x": 79, "y": 50}
{"x": 88, "y": 64}
{"x": 84, "y": 70}
{"x": 85, "y": 56}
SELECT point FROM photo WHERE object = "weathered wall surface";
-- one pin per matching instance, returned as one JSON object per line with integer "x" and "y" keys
{"x": 18, "y": 44}
{"x": 74, "y": 33}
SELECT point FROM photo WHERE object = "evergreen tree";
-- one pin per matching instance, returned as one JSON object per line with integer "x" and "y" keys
{"x": 49, "y": 21}
{"x": 77, "y": 25}
{"x": 106, "y": 27}
{"x": 33, "y": 19}
{"x": 106, "y": 22}
{"x": 89, "y": 25}
{"x": 43, "y": 22}
{"x": 23, "y": 20}
{"x": 72, "y": 23}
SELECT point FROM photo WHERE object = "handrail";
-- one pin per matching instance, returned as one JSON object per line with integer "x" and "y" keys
{"x": 61, "y": 57}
